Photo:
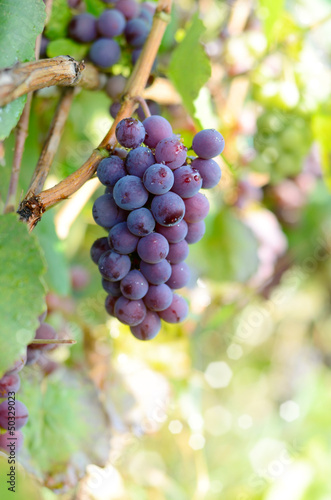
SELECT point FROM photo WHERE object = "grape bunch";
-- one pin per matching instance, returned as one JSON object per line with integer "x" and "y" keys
{"x": 153, "y": 211}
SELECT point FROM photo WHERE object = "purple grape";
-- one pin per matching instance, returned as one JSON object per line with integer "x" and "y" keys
{"x": 178, "y": 252}
{"x": 18, "y": 365}
{"x": 180, "y": 274}
{"x": 105, "y": 52}
{"x": 208, "y": 143}
{"x": 141, "y": 222}
{"x": 156, "y": 274}
{"x": 130, "y": 312}
{"x": 99, "y": 247}
{"x": 174, "y": 234}
{"x": 168, "y": 209}
{"x": 9, "y": 383}
{"x": 114, "y": 266}
{"x": 134, "y": 285}
{"x": 111, "y": 287}
{"x": 121, "y": 153}
{"x": 138, "y": 161}
{"x": 153, "y": 248}
{"x": 195, "y": 231}
{"x": 154, "y": 109}
{"x": 115, "y": 86}
{"x": 148, "y": 328}
{"x": 114, "y": 109}
{"x": 106, "y": 212}
{"x": 21, "y": 415}
{"x": 158, "y": 179}
{"x": 196, "y": 208}
{"x": 187, "y": 181}
{"x": 130, "y": 133}
{"x": 158, "y": 297}
{"x": 129, "y": 193}
{"x": 121, "y": 239}
{"x": 136, "y": 32}
{"x": 129, "y": 8}
{"x": 176, "y": 312}
{"x": 110, "y": 170}
{"x": 73, "y": 3}
{"x": 47, "y": 332}
{"x": 111, "y": 23}
{"x": 157, "y": 128}
{"x": 171, "y": 151}
{"x": 32, "y": 356}
{"x": 149, "y": 7}
{"x": 110, "y": 302}
{"x": 209, "y": 170}
{"x": 83, "y": 28}
{"x": 43, "y": 47}
{"x": 7, "y": 438}
{"x": 146, "y": 16}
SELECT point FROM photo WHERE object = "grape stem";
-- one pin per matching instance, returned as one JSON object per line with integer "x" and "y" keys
{"x": 144, "y": 106}
{"x": 53, "y": 341}
{"x": 32, "y": 209}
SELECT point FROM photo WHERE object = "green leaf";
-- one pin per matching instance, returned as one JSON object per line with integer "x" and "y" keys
{"x": 321, "y": 126}
{"x": 59, "y": 20}
{"x": 67, "y": 47}
{"x": 95, "y": 7}
{"x": 21, "y": 288}
{"x": 271, "y": 11}
{"x": 189, "y": 67}
{"x": 9, "y": 116}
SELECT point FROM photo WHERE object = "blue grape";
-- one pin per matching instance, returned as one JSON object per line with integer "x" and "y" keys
{"x": 83, "y": 28}
{"x": 21, "y": 414}
{"x": 134, "y": 285}
{"x": 171, "y": 152}
{"x": 115, "y": 86}
{"x": 178, "y": 252}
{"x": 153, "y": 248}
{"x": 148, "y": 328}
{"x": 168, "y": 209}
{"x": 138, "y": 161}
{"x": 180, "y": 274}
{"x": 176, "y": 312}
{"x": 121, "y": 239}
{"x": 110, "y": 170}
{"x": 149, "y": 7}
{"x": 32, "y": 356}
{"x": 111, "y": 287}
{"x": 146, "y": 16}
{"x": 209, "y": 170}
{"x": 129, "y": 8}
{"x": 114, "y": 108}
{"x": 158, "y": 297}
{"x": 99, "y": 247}
{"x": 141, "y": 222}
{"x": 196, "y": 208}
{"x": 156, "y": 274}
{"x": 136, "y": 32}
{"x": 129, "y": 193}
{"x": 106, "y": 213}
{"x": 110, "y": 302}
{"x": 114, "y": 266}
{"x": 208, "y": 143}
{"x": 111, "y": 23}
{"x": 9, "y": 383}
{"x": 187, "y": 181}
{"x": 174, "y": 234}
{"x": 195, "y": 231}
{"x": 130, "y": 133}
{"x": 105, "y": 52}
{"x": 158, "y": 179}
{"x": 157, "y": 128}
{"x": 130, "y": 312}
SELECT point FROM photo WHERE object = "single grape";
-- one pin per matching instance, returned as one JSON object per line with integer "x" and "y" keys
{"x": 209, "y": 170}
{"x": 138, "y": 161}
{"x": 83, "y": 28}
{"x": 141, "y": 222}
{"x": 32, "y": 356}
{"x": 136, "y": 32}
{"x": 9, "y": 383}
{"x": 106, "y": 212}
{"x": 18, "y": 365}
{"x": 174, "y": 234}
{"x": 99, "y": 247}
{"x": 121, "y": 153}
{"x": 7, "y": 438}
{"x": 180, "y": 274}
{"x": 111, "y": 23}
{"x": 156, "y": 274}
{"x": 129, "y": 8}
{"x": 149, "y": 7}
{"x": 21, "y": 415}
{"x": 187, "y": 181}
{"x": 176, "y": 312}
{"x": 105, "y": 52}
{"x": 178, "y": 252}
{"x": 196, "y": 208}
{"x": 110, "y": 170}
{"x": 130, "y": 133}
{"x": 208, "y": 143}
{"x": 129, "y": 193}
{"x": 134, "y": 285}
{"x": 114, "y": 266}
{"x": 157, "y": 128}
{"x": 47, "y": 332}
{"x": 115, "y": 86}
{"x": 168, "y": 209}
{"x": 158, "y": 179}
{"x": 130, "y": 312}
{"x": 148, "y": 328}
{"x": 171, "y": 151}
{"x": 110, "y": 302}
{"x": 111, "y": 287}
{"x": 146, "y": 16}
{"x": 195, "y": 231}
{"x": 114, "y": 108}
{"x": 153, "y": 248}
{"x": 121, "y": 239}
{"x": 158, "y": 297}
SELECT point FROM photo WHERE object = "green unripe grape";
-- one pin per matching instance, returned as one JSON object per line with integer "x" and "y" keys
{"x": 270, "y": 123}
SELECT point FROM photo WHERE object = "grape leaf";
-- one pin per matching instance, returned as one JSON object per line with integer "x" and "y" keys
{"x": 271, "y": 11}
{"x": 65, "y": 46}
{"x": 58, "y": 23}
{"x": 21, "y": 288}
{"x": 9, "y": 116}
{"x": 186, "y": 77}
{"x": 95, "y": 7}
{"x": 321, "y": 126}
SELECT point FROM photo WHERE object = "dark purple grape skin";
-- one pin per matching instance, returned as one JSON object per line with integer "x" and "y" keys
{"x": 105, "y": 52}
{"x": 148, "y": 328}
{"x": 129, "y": 193}
{"x": 141, "y": 222}
{"x": 195, "y": 232}
{"x": 7, "y": 438}
{"x": 134, "y": 285}
{"x": 99, "y": 247}
{"x": 176, "y": 312}
{"x": 138, "y": 161}
{"x": 9, "y": 383}
{"x": 180, "y": 275}
{"x": 111, "y": 23}
{"x": 18, "y": 365}
{"x": 21, "y": 414}
{"x": 110, "y": 302}
{"x": 83, "y": 28}
{"x": 110, "y": 170}
{"x": 32, "y": 356}
{"x": 158, "y": 297}
{"x": 106, "y": 212}
{"x": 136, "y": 32}
{"x": 168, "y": 209}
{"x": 187, "y": 181}
{"x": 209, "y": 170}
{"x": 174, "y": 234}
{"x": 122, "y": 240}
{"x": 115, "y": 86}
{"x": 111, "y": 287}
{"x": 158, "y": 179}
{"x": 129, "y": 8}
{"x": 196, "y": 208}
{"x": 208, "y": 143}
{"x": 178, "y": 252}
{"x": 47, "y": 332}
{"x": 130, "y": 133}
{"x": 146, "y": 16}
{"x": 114, "y": 109}
{"x": 113, "y": 266}
{"x": 157, "y": 128}
{"x": 171, "y": 151}
{"x": 156, "y": 274}
{"x": 130, "y": 312}
{"x": 43, "y": 47}
{"x": 153, "y": 248}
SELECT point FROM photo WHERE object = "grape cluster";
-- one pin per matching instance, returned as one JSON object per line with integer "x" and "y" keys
{"x": 153, "y": 210}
